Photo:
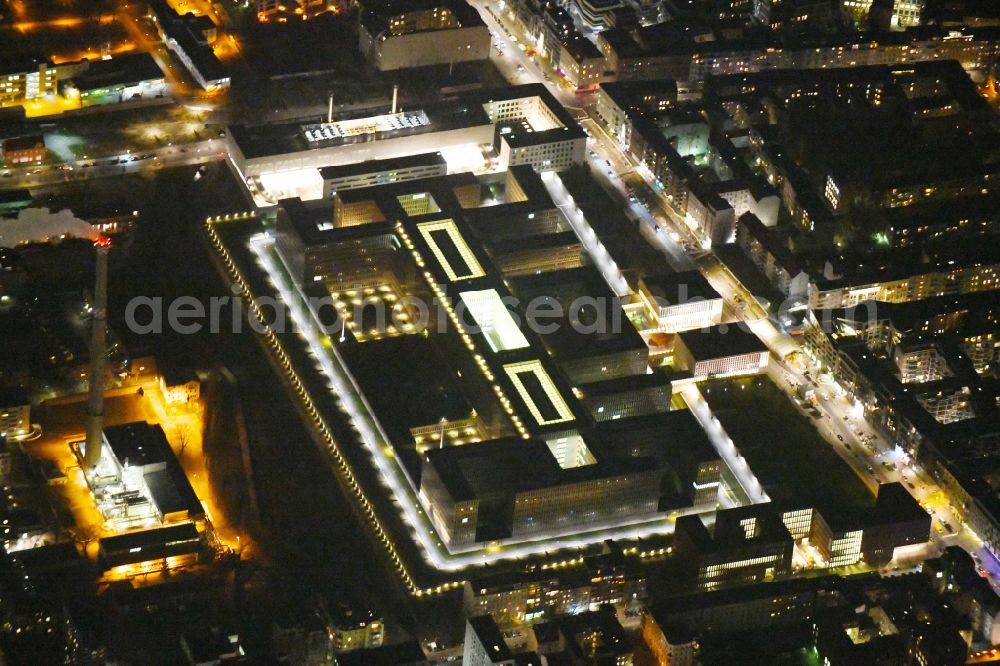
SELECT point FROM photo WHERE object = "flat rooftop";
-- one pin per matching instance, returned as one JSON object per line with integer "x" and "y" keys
{"x": 592, "y": 322}
{"x": 124, "y": 69}
{"x": 504, "y": 467}
{"x": 424, "y": 389}
{"x": 679, "y": 288}
{"x": 718, "y": 342}
{"x": 376, "y": 166}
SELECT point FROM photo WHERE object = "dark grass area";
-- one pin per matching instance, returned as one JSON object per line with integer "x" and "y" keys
{"x": 791, "y": 459}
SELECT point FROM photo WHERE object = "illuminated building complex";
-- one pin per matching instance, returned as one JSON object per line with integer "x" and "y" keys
{"x": 681, "y": 301}
{"x": 395, "y": 35}
{"x": 497, "y": 440}
{"x": 378, "y": 172}
{"x": 760, "y": 543}
{"x": 523, "y": 124}
{"x": 720, "y": 351}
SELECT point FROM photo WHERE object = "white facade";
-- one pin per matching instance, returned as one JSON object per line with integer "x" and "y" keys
{"x": 554, "y": 156}
{"x": 695, "y": 314}
{"x": 741, "y": 364}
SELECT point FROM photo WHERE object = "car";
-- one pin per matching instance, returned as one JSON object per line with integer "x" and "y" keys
{"x": 840, "y": 437}
{"x": 6, "y": 174}
{"x": 608, "y": 162}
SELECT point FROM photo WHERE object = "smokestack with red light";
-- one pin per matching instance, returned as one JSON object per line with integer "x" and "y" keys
{"x": 98, "y": 335}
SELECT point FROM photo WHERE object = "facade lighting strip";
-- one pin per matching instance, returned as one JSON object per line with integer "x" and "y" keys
{"x": 448, "y": 226}
{"x": 535, "y": 368}
{"x": 466, "y": 338}
{"x": 319, "y": 424}
{"x": 342, "y": 466}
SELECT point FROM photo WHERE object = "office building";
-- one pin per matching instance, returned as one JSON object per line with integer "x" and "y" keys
{"x": 524, "y": 124}
{"x": 681, "y": 301}
{"x": 394, "y": 35}
{"x": 498, "y": 490}
{"x": 747, "y": 545}
{"x": 25, "y": 77}
{"x": 190, "y": 37}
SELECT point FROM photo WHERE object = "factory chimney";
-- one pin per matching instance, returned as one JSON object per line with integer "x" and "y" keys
{"x": 95, "y": 400}
{"x": 395, "y": 97}
{"x": 329, "y": 109}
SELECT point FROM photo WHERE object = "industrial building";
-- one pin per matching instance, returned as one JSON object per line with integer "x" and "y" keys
{"x": 139, "y": 480}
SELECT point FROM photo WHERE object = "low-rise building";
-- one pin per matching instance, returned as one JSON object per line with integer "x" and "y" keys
{"x": 126, "y": 78}
{"x": 180, "y": 387}
{"x": 24, "y": 150}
